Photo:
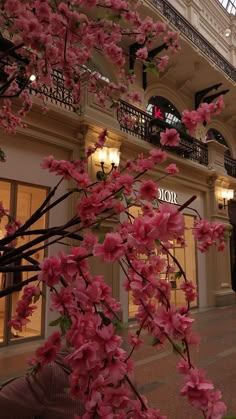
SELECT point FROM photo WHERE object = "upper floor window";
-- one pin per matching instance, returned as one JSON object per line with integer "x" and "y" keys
{"x": 229, "y": 5}
{"x": 162, "y": 108}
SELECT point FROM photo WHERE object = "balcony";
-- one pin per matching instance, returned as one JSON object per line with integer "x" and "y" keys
{"x": 57, "y": 94}
{"x": 141, "y": 124}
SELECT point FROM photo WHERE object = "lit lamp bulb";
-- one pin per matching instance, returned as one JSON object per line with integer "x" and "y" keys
{"x": 230, "y": 194}
{"x": 227, "y": 32}
{"x": 32, "y": 77}
{"x": 226, "y": 195}
{"x": 114, "y": 157}
{"x": 102, "y": 155}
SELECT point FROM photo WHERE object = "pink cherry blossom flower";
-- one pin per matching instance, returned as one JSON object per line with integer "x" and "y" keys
{"x": 218, "y": 105}
{"x": 135, "y": 97}
{"x": 172, "y": 169}
{"x": 46, "y": 353}
{"x": 50, "y": 271}
{"x": 197, "y": 388}
{"x": 167, "y": 223}
{"x": 163, "y": 61}
{"x": 135, "y": 341}
{"x": 142, "y": 53}
{"x": 158, "y": 156}
{"x": 148, "y": 190}
{"x": 216, "y": 409}
{"x": 112, "y": 248}
{"x": 173, "y": 323}
{"x": 221, "y": 246}
{"x": 190, "y": 120}
{"x": 190, "y": 290}
{"x": 204, "y": 112}
{"x": 160, "y": 28}
{"x": 170, "y": 137}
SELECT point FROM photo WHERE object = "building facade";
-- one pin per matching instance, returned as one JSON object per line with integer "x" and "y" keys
{"x": 207, "y": 163}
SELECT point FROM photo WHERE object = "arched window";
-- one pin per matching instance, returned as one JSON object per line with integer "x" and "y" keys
{"x": 213, "y": 134}
{"x": 160, "y": 107}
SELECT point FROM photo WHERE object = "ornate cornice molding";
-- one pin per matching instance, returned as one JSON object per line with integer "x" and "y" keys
{"x": 187, "y": 30}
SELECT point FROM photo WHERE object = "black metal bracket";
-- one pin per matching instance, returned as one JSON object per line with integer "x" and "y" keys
{"x": 151, "y": 54}
{"x": 201, "y": 95}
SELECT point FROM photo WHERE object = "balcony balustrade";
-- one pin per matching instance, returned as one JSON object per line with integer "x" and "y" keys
{"x": 57, "y": 94}
{"x": 143, "y": 125}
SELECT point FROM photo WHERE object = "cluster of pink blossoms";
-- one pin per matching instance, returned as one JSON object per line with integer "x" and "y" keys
{"x": 24, "y": 307}
{"x": 63, "y": 38}
{"x": 202, "y": 115}
{"x": 102, "y": 371}
{"x": 199, "y": 392}
{"x": 210, "y": 234}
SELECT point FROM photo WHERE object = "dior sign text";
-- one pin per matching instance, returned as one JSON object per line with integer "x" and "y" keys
{"x": 167, "y": 196}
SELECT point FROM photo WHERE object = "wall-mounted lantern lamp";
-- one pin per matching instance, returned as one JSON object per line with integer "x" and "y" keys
{"x": 226, "y": 195}
{"x": 109, "y": 157}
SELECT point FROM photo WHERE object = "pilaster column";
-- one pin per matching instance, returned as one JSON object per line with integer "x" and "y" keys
{"x": 219, "y": 291}
{"x": 216, "y": 153}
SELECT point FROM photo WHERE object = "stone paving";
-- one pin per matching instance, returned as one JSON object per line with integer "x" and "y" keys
{"x": 156, "y": 374}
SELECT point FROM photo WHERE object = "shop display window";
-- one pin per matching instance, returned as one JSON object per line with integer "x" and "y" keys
{"x": 187, "y": 258}
{"x": 21, "y": 200}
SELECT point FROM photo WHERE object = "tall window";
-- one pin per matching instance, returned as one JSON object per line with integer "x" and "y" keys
{"x": 160, "y": 107}
{"x": 22, "y": 200}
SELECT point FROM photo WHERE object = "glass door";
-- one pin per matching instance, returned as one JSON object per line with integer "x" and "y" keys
{"x": 25, "y": 200}
{"x": 5, "y": 198}
{"x": 187, "y": 258}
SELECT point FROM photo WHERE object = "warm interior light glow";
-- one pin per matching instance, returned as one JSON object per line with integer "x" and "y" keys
{"x": 114, "y": 156}
{"x": 227, "y": 194}
{"x": 227, "y": 32}
{"x": 102, "y": 154}
{"x": 230, "y": 194}
{"x": 32, "y": 77}
{"x": 224, "y": 194}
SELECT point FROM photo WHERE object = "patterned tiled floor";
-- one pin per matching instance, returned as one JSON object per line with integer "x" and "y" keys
{"x": 156, "y": 374}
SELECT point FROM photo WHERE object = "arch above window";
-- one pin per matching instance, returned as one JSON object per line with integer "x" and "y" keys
{"x": 162, "y": 108}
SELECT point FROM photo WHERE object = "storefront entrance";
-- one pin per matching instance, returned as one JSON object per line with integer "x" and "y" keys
{"x": 187, "y": 258}
{"x": 21, "y": 200}
{"x": 232, "y": 219}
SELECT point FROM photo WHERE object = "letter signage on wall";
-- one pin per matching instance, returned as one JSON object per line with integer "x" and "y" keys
{"x": 167, "y": 196}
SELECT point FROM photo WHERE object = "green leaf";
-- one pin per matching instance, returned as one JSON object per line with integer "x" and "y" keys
{"x": 156, "y": 341}
{"x": 151, "y": 67}
{"x": 101, "y": 238}
{"x": 65, "y": 324}
{"x": 115, "y": 18}
{"x": 36, "y": 298}
{"x": 55, "y": 322}
{"x": 119, "y": 325}
{"x": 178, "y": 348}
{"x": 119, "y": 195}
{"x": 178, "y": 274}
{"x": 157, "y": 242}
{"x": 129, "y": 200}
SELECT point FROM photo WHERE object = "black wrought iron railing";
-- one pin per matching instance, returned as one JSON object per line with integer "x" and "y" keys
{"x": 143, "y": 125}
{"x": 230, "y": 166}
{"x": 57, "y": 94}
